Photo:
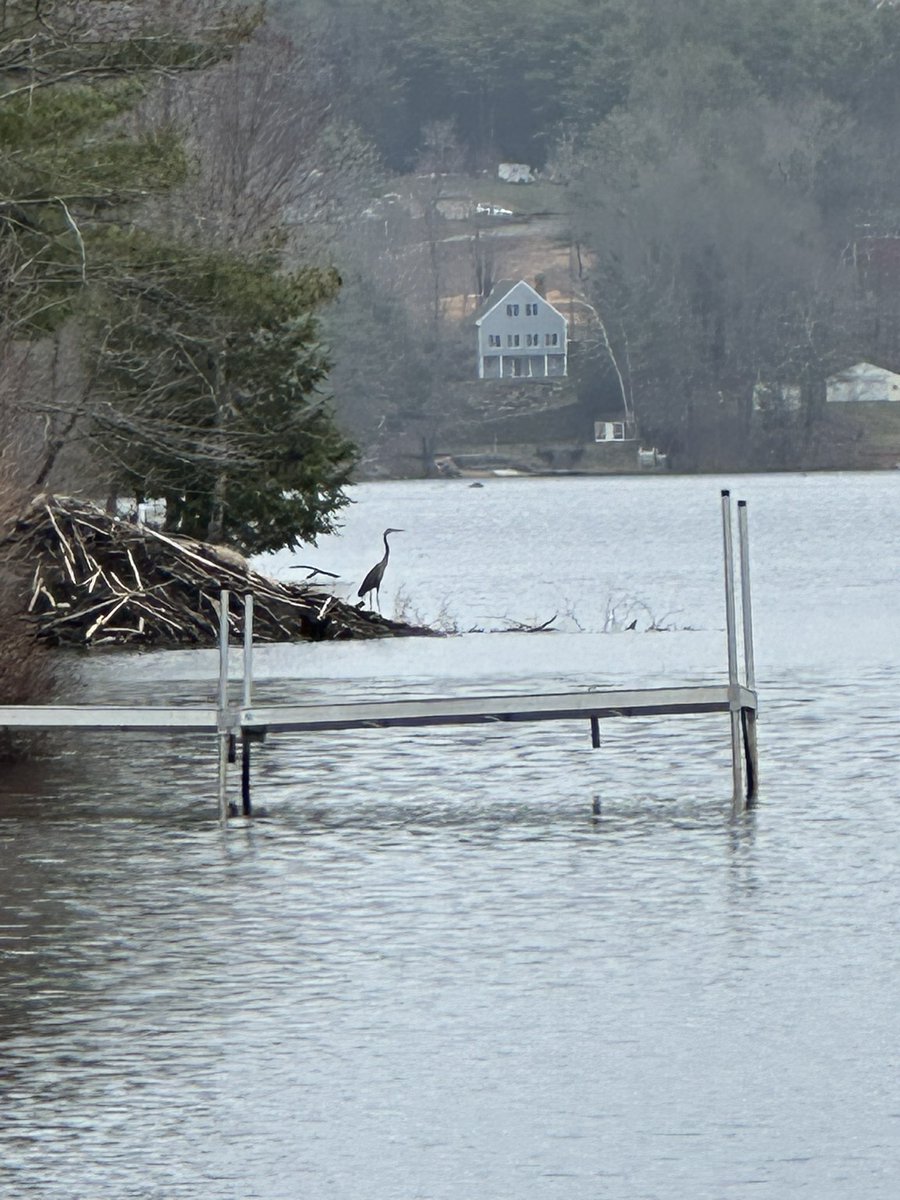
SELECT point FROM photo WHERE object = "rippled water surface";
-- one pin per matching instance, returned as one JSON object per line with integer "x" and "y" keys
{"x": 432, "y": 970}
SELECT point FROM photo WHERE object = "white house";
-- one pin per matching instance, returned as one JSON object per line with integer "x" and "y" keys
{"x": 863, "y": 383}
{"x": 520, "y": 335}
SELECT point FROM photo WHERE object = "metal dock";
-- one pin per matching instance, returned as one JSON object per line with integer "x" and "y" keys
{"x": 248, "y": 722}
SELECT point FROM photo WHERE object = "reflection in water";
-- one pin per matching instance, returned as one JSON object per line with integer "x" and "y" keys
{"x": 435, "y": 969}
{"x": 741, "y": 834}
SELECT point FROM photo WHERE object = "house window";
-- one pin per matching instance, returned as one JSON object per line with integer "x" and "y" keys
{"x": 531, "y": 310}
{"x": 551, "y": 339}
{"x": 512, "y": 339}
{"x": 493, "y": 339}
{"x": 512, "y": 310}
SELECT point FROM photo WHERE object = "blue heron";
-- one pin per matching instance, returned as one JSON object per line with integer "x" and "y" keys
{"x": 372, "y": 582}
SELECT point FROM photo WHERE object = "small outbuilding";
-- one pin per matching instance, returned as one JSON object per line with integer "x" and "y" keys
{"x": 614, "y": 429}
{"x": 863, "y": 383}
{"x": 515, "y": 172}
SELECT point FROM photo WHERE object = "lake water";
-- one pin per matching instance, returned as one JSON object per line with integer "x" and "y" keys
{"x": 431, "y": 971}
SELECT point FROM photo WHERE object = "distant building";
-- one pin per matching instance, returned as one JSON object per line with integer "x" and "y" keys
{"x": 520, "y": 335}
{"x": 614, "y": 430}
{"x": 515, "y": 173}
{"x": 863, "y": 383}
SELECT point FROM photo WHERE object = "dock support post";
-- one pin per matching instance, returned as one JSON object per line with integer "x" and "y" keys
{"x": 223, "y": 730}
{"x": 595, "y": 733}
{"x": 737, "y": 799}
{"x": 247, "y": 700}
{"x": 246, "y": 805}
{"x": 748, "y": 715}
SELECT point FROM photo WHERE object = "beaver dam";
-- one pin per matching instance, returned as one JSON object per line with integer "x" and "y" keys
{"x": 99, "y": 580}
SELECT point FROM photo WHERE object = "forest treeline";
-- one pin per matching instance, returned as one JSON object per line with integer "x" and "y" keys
{"x": 515, "y": 75}
{"x": 727, "y": 170}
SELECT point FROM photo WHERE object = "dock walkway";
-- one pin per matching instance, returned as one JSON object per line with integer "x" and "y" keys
{"x": 249, "y": 722}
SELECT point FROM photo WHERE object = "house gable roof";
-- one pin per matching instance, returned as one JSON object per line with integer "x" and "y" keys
{"x": 499, "y": 293}
{"x": 860, "y": 371}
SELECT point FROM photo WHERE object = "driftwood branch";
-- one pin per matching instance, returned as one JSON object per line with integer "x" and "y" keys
{"x": 522, "y": 627}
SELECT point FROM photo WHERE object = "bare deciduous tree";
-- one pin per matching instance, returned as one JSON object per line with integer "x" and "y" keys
{"x": 271, "y": 159}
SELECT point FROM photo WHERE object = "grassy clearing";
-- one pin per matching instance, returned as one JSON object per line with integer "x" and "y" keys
{"x": 872, "y": 430}
{"x": 542, "y": 196}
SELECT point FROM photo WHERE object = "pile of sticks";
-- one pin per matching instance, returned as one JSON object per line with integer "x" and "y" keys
{"x": 100, "y": 580}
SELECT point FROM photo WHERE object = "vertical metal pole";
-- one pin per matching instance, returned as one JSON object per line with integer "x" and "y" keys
{"x": 224, "y": 603}
{"x": 246, "y": 805}
{"x": 748, "y": 716}
{"x": 737, "y": 800}
{"x": 248, "y": 649}
{"x": 746, "y": 614}
{"x": 595, "y": 733}
{"x": 223, "y": 731}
